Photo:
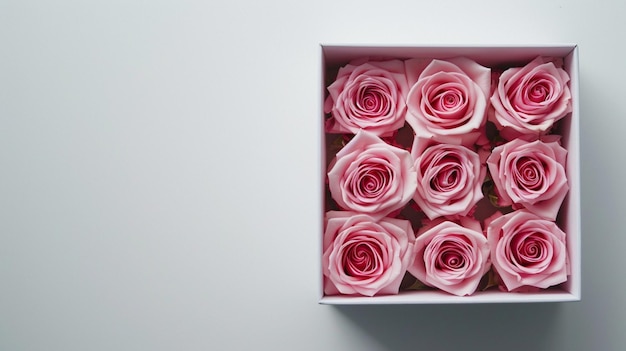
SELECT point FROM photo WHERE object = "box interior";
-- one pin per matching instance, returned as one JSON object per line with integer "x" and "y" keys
{"x": 335, "y": 56}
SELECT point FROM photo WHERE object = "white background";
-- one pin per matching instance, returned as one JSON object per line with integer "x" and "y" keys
{"x": 158, "y": 168}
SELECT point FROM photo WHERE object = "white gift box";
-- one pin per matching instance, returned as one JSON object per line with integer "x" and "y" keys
{"x": 334, "y": 56}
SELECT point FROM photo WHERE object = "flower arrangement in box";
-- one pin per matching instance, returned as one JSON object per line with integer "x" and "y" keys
{"x": 445, "y": 174}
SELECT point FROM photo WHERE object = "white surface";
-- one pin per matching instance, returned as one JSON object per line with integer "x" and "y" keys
{"x": 157, "y": 161}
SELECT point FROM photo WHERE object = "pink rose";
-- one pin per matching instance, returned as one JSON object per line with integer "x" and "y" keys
{"x": 449, "y": 100}
{"x": 450, "y": 256}
{"x": 530, "y": 175}
{"x": 449, "y": 179}
{"x": 528, "y": 100}
{"x": 372, "y": 177}
{"x": 369, "y": 96}
{"x": 364, "y": 256}
{"x": 527, "y": 250}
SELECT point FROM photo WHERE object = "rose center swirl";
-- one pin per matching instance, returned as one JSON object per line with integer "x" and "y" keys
{"x": 448, "y": 174}
{"x": 452, "y": 255}
{"x": 372, "y": 180}
{"x": 448, "y": 100}
{"x": 538, "y": 91}
{"x": 450, "y": 259}
{"x": 447, "y": 104}
{"x": 373, "y": 101}
{"x": 529, "y": 174}
{"x": 530, "y": 250}
{"x": 446, "y": 179}
{"x": 362, "y": 258}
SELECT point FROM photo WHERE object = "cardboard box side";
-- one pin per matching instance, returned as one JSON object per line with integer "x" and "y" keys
{"x": 571, "y": 141}
{"x": 322, "y": 167}
{"x": 489, "y": 56}
{"x": 438, "y": 297}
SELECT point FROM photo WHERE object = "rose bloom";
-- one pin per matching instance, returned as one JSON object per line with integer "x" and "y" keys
{"x": 529, "y": 99}
{"x": 449, "y": 179}
{"x": 527, "y": 250}
{"x": 531, "y": 175}
{"x": 448, "y": 101}
{"x": 365, "y": 256}
{"x": 450, "y": 256}
{"x": 372, "y": 177}
{"x": 369, "y": 96}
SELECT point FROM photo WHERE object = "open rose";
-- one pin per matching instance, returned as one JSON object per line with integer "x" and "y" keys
{"x": 372, "y": 177}
{"x": 527, "y": 250}
{"x": 449, "y": 100}
{"x": 450, "y": 256}
{"x": 364, "y": 256}
{"x": 530, "y": 175}
{"x": 529, "y": 99}
{"x": 449, "y": 179}
{"x": 369, "y": 96}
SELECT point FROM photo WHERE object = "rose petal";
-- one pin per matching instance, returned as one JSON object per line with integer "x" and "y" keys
{"x": 451, "y": 257}
{"x": 549, "y": 265}
{"x": 363, "y": 255}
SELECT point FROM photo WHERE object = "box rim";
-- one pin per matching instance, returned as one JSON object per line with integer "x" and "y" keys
{"x": 556, "y": 295}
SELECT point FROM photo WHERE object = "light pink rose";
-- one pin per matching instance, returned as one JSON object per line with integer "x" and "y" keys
{"x": 364, "y": 256}
{"x": 372, "y": 177}
{"x": 529, "y": 99}
{"x": 530, "y": 175}
{"x": 449, "y": 179}
{"x": 449, "y": 100}
{"x": 527, "y": 250}
{"x": 368, "y": 95}
{"x": 450, "y": 256}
